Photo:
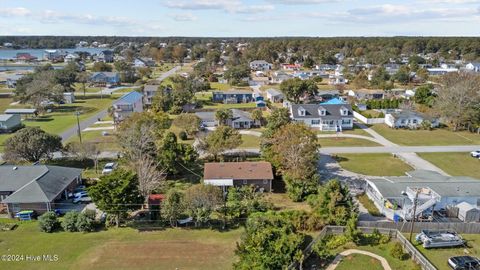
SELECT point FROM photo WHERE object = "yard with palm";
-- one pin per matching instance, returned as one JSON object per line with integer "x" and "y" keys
{"x": 123, "y": 248}
{"x": 441, "y": 136}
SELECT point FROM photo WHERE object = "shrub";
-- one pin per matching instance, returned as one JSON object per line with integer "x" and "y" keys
{"x": 90, "y": 213}
{"x": 336, "y": 241}
{"x": 397, "y": 251}
{"x": 69, "y": 221}
{"x": 183, "y": 135}
{"x": 84, "y": 223}
{"x": 48, "y": 222}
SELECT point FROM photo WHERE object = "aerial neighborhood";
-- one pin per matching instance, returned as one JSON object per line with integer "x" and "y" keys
{"x": 242, "y": 153}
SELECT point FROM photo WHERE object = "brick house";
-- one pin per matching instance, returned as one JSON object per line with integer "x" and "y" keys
{"x": 236, "y": 174}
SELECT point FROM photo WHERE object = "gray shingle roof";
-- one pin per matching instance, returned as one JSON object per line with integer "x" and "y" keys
{"x": 407, "y": 114}
{"x": 311, "y": 111}
{"x": 39, "y": 183}
{"x": 239, "y": 115}
{"x": 5, "y": 117}
{"x": 447, "y": 186}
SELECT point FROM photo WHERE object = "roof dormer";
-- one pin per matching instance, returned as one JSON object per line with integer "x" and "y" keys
{"x": 301, "y": 111}
{"x": 343, "y": 111}
{"x": 322, "y": 111}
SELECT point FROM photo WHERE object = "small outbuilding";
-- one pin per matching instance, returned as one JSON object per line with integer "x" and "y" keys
{"x": 468, "y": 212}
{"x": 9, "y": 122}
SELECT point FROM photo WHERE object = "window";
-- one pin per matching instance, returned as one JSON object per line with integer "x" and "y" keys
{"x": 346, "y": 121}
{"x": 403, "y": 121}
{"x": 244, "y": 182}
{"x": 414, "y": 121}
{"x": 265, "y": 181}
{"x": 315, "y": 122}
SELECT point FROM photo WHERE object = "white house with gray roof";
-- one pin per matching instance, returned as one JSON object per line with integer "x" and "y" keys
{"x": 275, "y": 95}
{"x": 260, "y": 65}
{"x": 37, "y": 187}
{"x": 408, "y": 119}
{"x": 326, "y": 117}
{"x": 240, "y": 120}
{"x": 394, "y": 196}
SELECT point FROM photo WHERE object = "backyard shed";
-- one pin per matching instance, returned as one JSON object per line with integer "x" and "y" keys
{"x": 468, "y": 212}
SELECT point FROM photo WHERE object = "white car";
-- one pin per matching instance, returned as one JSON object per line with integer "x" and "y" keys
{"x": 76, "y": 191}
{"x": 108, "y": 168}
{"x": 475, "y": 154}
{"x": 84, "y": 198}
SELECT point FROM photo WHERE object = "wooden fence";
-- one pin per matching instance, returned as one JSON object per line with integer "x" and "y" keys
{"x": 459, "y": 227}
{"x": 415, "y": 255}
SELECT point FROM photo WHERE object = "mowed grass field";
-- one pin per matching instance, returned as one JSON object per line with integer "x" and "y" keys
{"x": 373, "y": 164}
{"x": 427, "y": 137}
{"x": 345, "y": 142}
{"x": 457, "y": 164}
{"x": 359, "y": 261}
{"x": 123, "y": 248}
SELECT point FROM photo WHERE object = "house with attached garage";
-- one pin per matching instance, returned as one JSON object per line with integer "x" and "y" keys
{"x": 39, "y": 187}
{"x": 235, "y": 174}
{"x": 233, "y": 96}
{"x": 326, "y": 117}
{"x": 409, "y": 119}
{"x": 127, "y": 105}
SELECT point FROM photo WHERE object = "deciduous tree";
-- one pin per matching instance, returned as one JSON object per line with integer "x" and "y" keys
{"x": 31, "y": 144}
{"x": 222, "y": 139}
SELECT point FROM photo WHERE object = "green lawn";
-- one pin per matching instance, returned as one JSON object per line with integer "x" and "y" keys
{"x": 359, "y": 261}
{"x": 427, "y": 137}
{"x": 250, "y": 141}
{"x": 104, "y": 143}
{"x": 457, "y": 164}
{"x": 439, "y": 256}
{"x": 123, "y": 248}
{"x": 5, "y": 103}
{"x": 220, "y": 86}
{"x": 345, "y": 142}
{"x": 373, "y": 164}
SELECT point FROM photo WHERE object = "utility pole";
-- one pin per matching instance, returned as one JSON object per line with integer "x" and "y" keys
{"x": 414, "y": 214}
{"x": 78, "y": 127}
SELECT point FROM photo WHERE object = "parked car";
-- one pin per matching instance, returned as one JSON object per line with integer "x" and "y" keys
{"x": 475, "y": 154}
{"x": 108, "y": 168}
{"x": 464, "y": 263}
{"x": 84, "y": 198}
{"x": 76, "y": 191}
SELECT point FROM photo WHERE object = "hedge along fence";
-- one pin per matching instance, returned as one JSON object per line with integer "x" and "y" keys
{"x": 407, "y": 246}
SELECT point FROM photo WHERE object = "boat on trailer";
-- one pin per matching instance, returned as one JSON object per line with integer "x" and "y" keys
{"x": 439, "y": 238}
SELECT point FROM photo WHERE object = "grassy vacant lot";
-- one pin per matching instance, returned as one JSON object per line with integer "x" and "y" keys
{"x": 427, "y": 137}
{"x": 369, "y": 205}
{"x": 281, "y": 201}
{"x": 373, "y": 164}
{"x": 5, "y": 103}
{"x": 250, "y": 141}
{"x": 359, "y": 261}
{"x": 345, "y": 142}
{"x": 104, "y": 143}
{"x": 439, "y": 256}
{"x": 123, "y": 248}
{"x": 457, "y": 164}
{"x": 220, "y": 86}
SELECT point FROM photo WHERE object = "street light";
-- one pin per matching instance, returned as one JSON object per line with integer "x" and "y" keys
{"x": 78, "y": 126}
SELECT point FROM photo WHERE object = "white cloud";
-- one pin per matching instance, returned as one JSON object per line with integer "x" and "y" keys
{"x": 18, "y": 11}
{"x": 184, "y": 17}
{"x": 232, "y": 6}
{"x": 302, "y": 2}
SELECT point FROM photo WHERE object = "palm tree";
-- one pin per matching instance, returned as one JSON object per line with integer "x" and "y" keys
{"x": 223, "y": 115}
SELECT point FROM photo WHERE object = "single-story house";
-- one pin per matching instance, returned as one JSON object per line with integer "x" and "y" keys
{"x": 260, "y": 65}
{"x": 71, "y": 57}
{"x": 12, "y": 80}
{"x": 105, "y": 78}
{"x": 291, "y": 66}
{"x": 475, "y": 67}
{"x": 9, "y": 122}
{"x": 407, "y": 118}
{"x": 441, "y": 71}
{"x": 394, "y": 196}
{"x": 275, "y": 95}
{"x": 279, "y": 77}
{"x": 240, "y": 120}
{"x": 207, "y": 119}
{"x": 26, "y": 112}
{"x": 233, "y": 96}
{"x": 144, "y": 62}
{"x": 366, "y": 94}
{"x": 37, "y": 187}
{"x": 27, "y": 57}
{"x": 326, "y": 117}
{"x": 127, "y": 105}
{"x": 235, "y": 174}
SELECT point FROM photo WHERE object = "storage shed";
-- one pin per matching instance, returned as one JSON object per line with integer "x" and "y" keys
{"x": 468, "y": 212}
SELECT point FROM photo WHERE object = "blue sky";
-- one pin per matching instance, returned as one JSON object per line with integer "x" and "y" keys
{"x": 225, "y": 18}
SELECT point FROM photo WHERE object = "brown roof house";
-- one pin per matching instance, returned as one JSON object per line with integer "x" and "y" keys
{"x": 234, "y": 174}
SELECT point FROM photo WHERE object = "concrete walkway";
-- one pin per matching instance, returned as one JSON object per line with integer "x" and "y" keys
{"x": 347, "y": 252}
{"x": 341, "y": 135}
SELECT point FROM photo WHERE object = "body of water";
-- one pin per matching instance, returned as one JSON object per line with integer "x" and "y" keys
{"x": 6, "y": 54}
